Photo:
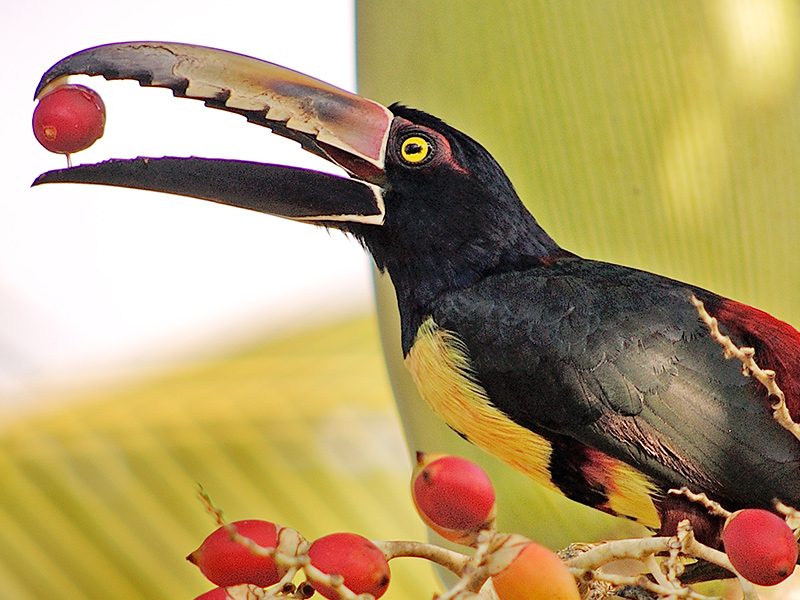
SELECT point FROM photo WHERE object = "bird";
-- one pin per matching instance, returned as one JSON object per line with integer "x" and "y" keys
{"x": 599, "y": 381}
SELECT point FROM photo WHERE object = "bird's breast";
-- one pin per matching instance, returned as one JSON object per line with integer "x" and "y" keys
{"x": 440, "y": 367}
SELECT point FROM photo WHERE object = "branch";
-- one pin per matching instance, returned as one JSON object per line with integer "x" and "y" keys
{"x": 713, "y": 508}
{"x": 692, "y": 547}
{"x": 638, "y": 548}
{"x": 449, "y": 559}
{"x": 248, "y": 591}
{"x": 791, "y": 515}
{"x": 475, "y": 572}
{"x": 765, "y": 377}
{"x": 588, "y": 564}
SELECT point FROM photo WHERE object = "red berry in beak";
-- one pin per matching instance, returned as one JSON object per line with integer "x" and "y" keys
{"x": 69, "y": 119}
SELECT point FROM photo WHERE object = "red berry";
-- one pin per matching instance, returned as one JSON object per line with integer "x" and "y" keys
{"x": 238, "y": 592}
{"x": 359, "y": 561}
{"x": 453, "y": 495}
{"x": 69, "y": 119}
{"x": 522, "y": 569}
{"x": 226, "y": 562}
{"x": 760, "y": 545}
{"x": 215, "y": 594}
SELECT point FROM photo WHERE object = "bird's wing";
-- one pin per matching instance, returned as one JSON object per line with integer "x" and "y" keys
{"x": 617, "y": 360}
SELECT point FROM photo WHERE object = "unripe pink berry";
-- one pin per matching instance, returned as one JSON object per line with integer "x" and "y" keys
{"x": 760, "y": 545}
{"x": 522, "y": 570}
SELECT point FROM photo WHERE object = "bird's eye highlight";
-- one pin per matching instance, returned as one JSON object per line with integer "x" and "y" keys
{"x": 416, "y": 149}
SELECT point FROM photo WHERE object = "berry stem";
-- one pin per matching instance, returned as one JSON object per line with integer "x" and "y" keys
{"x": 691, "y": 547}
{"x": 336, "y": 582}
{"x": 449, "y": 559}
{"x": 286, "y": 580}
{"x": 208, "y": 503}
{"x": 791, "y": 515}
{"x": 475, "y": 572}
{"x": 637, "y": 548}
{"x": 589, "y": 562}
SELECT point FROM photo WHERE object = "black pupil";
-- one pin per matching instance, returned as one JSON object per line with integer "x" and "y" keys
{"x": 414, "y": 148}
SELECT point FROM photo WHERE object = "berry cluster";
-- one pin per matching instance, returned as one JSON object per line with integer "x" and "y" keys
{"x": 258, "y": 559}
{"x": 246, "y": 556}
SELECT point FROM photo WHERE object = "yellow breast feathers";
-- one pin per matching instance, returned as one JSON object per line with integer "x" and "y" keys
{"x": 440, "y": 366}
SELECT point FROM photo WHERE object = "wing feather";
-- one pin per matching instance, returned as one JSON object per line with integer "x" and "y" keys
{"x": 617, "y": 359}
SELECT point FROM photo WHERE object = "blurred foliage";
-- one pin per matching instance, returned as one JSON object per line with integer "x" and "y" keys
{"x": 660, "y": 135}
{"x": 98, "y": 495}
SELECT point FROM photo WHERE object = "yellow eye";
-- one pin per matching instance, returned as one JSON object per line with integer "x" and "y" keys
{"x": 415, "y": 149}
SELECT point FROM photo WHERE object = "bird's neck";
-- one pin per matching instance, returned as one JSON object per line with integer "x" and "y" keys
{"x": 423, "y": 268}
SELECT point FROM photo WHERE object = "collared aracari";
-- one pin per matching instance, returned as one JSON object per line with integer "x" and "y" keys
{"x": 597, "y": 380}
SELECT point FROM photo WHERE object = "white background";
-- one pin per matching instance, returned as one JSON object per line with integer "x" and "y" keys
{"x": 98, "y": 282}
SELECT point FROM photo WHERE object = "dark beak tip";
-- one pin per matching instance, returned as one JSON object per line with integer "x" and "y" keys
{"x": 40, "y": 179}
{"x": 289, "y": 192}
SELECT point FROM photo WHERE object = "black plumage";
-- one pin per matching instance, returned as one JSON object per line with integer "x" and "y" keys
{"x": 597, "y": 379}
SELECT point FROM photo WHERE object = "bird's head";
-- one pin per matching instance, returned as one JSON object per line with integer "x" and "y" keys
{"x": 430, "y": 203}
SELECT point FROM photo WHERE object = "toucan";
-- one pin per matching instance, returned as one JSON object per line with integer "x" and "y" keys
{"x": 597, "y": 380}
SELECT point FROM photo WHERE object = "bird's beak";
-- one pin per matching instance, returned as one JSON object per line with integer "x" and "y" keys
{"x": 342, "y": 127}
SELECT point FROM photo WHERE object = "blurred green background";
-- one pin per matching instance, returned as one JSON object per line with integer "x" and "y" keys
{"x": 661, "y": 135}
